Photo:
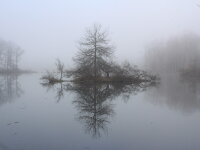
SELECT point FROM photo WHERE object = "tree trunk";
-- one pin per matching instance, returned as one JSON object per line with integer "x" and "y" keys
{"x": 61, "y": 74}
{"x": 95, "y": 57}
{"x": 108, "y": 75}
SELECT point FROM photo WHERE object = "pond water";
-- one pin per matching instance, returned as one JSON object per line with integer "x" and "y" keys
{"x": 98, "y": 117}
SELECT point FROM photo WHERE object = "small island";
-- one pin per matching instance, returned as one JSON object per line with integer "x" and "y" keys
{"x": 94, "y": 63}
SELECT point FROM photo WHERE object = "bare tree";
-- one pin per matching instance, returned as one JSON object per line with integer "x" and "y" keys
{"x": 60, "y": 68}
{"x": 94, "y": 49}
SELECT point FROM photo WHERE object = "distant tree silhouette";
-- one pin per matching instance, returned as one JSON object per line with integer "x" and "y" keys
{"x": 10, "y": 54}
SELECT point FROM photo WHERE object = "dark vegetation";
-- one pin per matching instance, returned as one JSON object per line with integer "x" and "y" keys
{"x": 94, "y": 63}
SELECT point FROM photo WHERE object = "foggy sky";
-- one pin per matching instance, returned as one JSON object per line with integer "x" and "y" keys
{"x": 50, "y": 29}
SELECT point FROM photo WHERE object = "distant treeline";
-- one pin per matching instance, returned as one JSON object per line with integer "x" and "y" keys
{"x": 179, "y": 54}
{"x": 10, "y": 55}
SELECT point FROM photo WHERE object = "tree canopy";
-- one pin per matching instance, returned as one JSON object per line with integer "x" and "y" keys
{"x": 95, "y": 53}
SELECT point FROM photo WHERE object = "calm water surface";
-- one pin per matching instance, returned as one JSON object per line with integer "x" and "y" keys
{"x": 99, "y": 117}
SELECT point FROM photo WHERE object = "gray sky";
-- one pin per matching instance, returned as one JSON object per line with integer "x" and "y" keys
{"x": 49, "y": 29}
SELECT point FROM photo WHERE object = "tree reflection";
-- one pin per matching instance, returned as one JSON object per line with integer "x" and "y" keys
{"x": 94, "y": 101}
{"x": 58, "y": 88}
{"x": 93, "y": 106}
{"x": 10, "y": 88}
{"x": 177, "y": 93}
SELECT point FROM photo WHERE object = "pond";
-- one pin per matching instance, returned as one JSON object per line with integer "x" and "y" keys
{"x": 35, "y": 116}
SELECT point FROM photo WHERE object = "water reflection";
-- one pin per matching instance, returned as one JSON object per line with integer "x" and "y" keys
{"x": 94, "y": 102}
{"x": 177, "y": 93}
{"x": 94, "y": 107}
{"x": 59, "y": 88}
{"x": 3, "y": 147}
{"x": 10, "y": 89}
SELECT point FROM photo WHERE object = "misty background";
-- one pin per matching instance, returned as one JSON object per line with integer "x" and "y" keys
{"x": 50, "y": 29}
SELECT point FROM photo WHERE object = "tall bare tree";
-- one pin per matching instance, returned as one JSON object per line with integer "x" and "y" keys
{"x": 60, "y": 68}
{"x": 94, "y": 51}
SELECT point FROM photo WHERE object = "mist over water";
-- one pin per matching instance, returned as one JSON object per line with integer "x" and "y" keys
{"x": 174, "y": 55}
{"x": 103, "y": 75}
{"x": 47, "y": 30}
{"x": 177, "y": 94}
